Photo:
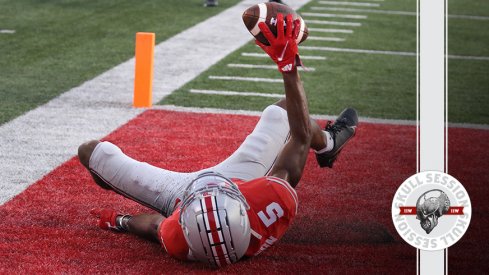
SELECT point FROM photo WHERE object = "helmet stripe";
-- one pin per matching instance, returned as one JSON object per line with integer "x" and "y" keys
{"x": 206, "y": 225}
{"x": 213, "y": 231}
{"x": 206, "y": 220}
{"x": 217, "y": 238}
{"x": 216, "y": 218}
{"x": 224, "y": 249}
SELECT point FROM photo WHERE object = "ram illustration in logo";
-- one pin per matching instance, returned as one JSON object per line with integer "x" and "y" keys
{"x": 430, "y": 206}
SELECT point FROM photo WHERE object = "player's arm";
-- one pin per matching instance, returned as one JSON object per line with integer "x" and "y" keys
{"x": 283, "y": 50}
{"x": 292, "y": 159}
{"x": 143, "y": 225}
{"x": 155, "y": 227}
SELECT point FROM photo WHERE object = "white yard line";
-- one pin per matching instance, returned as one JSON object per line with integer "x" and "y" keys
{"x": 7, "y": 31}
{"x": 331, "y": 49}
{"x": 320, "y": 38}
{"x": 471, "y": 17}
{"x": 234, "y": 93}
{"x": 330, "y": 30}
{"x": 346, "y": 3}
{"x": 261, "y": 66}
{"x": 35, "y": 143}
{"x": 331, "y": 15}
{"x": 253, "y": 66}
{"x": 335, "y": 23}
{"x": 322, "y": 117}
{"x": 393, "y": 12}
{"x": 345, "y": 50}
{"x": 483, "y": 58}
{"x": 364, "y": 10}
{"x": 241, "y": 78}
{"x": 304, "y": 57}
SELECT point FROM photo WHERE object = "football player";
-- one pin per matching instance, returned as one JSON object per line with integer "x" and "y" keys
{"x": 241, "y": 206}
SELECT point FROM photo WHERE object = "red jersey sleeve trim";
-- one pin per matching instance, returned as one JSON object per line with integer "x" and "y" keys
{"x": 160, "y": 235}
{"x": 255, "y": 234}
{"x": 288, "y": 187}
{"x": 172, "y": 239}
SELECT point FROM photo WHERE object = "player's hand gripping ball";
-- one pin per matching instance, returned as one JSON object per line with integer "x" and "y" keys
{"x": 267, "y": 13}
{"x": 283, "y": 48}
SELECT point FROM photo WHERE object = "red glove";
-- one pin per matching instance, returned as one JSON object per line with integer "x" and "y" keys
{"x": 283, "y": 48}
{"x": 106, "y": 218}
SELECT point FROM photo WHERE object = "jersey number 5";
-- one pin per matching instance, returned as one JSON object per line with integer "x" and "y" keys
{"x": 274, "y": 212}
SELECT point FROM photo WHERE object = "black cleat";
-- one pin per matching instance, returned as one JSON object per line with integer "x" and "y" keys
{"x": 341, "y": 131}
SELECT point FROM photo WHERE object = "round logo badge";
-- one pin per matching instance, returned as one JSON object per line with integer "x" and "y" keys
{"x": 431, "y": 210}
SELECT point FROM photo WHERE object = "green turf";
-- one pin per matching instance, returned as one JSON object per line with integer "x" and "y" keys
{"x": 468, "y": 37}
{"x": 468, "y": 7}
{"x": 342, "y": 80}
{"x": 377, "y": 85}
{"x": 468, "y": 91}
{"x": 468, "y": 80}
{"x": 373, "y": 33}
{"x": 381, "y": 86}
{"x": 60, "y": 44}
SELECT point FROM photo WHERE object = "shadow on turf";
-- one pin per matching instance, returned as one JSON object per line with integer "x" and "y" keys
{"x": 308, "y": 231}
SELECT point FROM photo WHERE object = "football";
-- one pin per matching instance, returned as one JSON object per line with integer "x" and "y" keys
{"x": 267, "y": 12}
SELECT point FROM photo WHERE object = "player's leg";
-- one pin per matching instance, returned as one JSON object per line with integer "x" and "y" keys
{"x": 319, "y": 139}
{"x": 329, "y": 142}
{"x": 151, "y": 186}
{"x": 84, "y": 152}
{"x": 256, "y": 155}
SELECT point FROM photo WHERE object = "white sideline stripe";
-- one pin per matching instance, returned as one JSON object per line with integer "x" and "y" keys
{"x": 345, "y": 3}
{"x": 315, "y": 116}
{"x": 7, "y": 31}
{"x": 330, "y": 15}
{"x": 365, "y": 10}
{"x": 320, "y": 38}
{"x": 305, "y": 57}
{"x": 234, "y": 93}
{"x": 331, "y": 49}
{"x": 241, "y": 78}
{"x": 330, "y": 30}
{"x": 393, "y": 12}
{"x": 254, "y": 233}
{"x": 336, "y": 23}
{"x": 267, "y": 67}
{"x": 35, "y": 143}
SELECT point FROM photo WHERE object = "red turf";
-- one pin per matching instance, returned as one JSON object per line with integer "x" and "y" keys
{"x": 343, "y": 224}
